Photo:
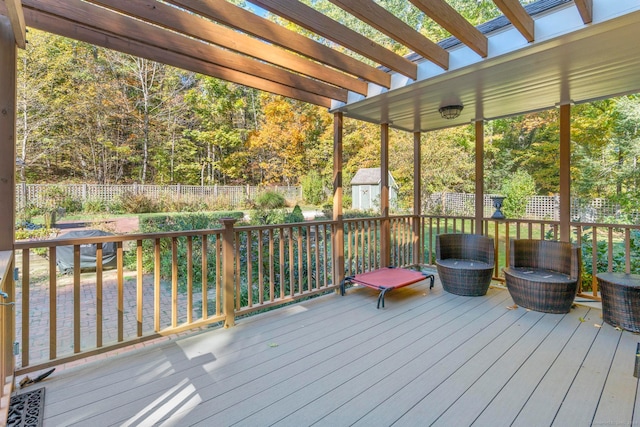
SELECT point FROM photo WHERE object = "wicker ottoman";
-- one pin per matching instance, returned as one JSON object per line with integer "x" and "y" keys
{"x": 620, "y": 299}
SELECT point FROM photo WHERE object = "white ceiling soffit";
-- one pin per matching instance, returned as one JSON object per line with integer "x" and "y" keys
{"x": 568, "y": 62}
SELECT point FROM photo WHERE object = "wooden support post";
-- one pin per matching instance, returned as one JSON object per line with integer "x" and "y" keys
{"x": 479, "y": 176}
{"x": 228, "y": 244}
{"x": 417, "y": 199}
{"x": 385, "y": 232}
{"x": 8, "y": 73}
{"x": 565, "y": 172}
{"x": 338, "y": 232}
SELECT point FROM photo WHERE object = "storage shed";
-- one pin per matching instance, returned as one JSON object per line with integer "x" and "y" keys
{"x": 365, "y": 189}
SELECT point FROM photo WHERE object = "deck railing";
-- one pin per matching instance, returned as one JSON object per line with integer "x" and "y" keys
{"x": 7, "y": 331}
{"x": 278, "y": 264}
{"x": 605, "y": 247}
{"x": 162, "y": 284}
{"x": 362, "y": 245}
{"x": 166, "y": 283}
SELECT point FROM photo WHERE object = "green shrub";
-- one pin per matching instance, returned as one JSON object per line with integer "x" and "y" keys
{"x": 57, "y": 198}
{"x": 219, "y": 203}
{"x": 517, "y": 190}
{"x": 36, "y": 234}
{"x": 93, "y": 206}
{"x": 27, "y": 213}
{"x": 136, "y": 203}
{"x": 270, "y": 200}
{"x": 185, "y": 221}
{"x": 180, "y": 222}
{"x": 313, "y": 188}
{"x": 359, "y": 214}
{"x": 295, "y": 216}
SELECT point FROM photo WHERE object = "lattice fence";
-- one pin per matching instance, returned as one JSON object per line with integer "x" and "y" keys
{"x": 35, "y": 194}
{"x": 538, "y": 207}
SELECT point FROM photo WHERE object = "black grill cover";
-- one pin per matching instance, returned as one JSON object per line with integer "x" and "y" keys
{"x": 64, "y": 254}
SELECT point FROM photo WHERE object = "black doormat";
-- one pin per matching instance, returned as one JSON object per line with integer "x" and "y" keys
{"x": 27, "y": 409}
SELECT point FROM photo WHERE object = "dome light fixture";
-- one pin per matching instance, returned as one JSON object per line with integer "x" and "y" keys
{"x": 450, "y": 111}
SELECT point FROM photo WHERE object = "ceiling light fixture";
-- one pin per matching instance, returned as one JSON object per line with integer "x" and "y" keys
{"x": 450, "y": 111}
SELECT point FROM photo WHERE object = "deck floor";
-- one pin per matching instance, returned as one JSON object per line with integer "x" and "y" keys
{"x": 428, "y": 358}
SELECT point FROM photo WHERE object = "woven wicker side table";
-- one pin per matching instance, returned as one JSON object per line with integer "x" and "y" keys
{"x": 620, "y": 299}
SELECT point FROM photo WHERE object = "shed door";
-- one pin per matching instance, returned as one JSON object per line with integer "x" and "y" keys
{"x": 365, "y": 197}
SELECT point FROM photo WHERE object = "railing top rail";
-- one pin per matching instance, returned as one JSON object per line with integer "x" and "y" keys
{"x": 278, "y": 226}
{"x": 606, "y": 225}
{"x": 113, "y": 238}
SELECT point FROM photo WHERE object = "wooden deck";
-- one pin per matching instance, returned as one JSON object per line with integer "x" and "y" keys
{"x": 428, "y": 358}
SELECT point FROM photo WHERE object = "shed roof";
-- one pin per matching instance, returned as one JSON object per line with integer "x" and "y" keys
{"x": 369, "y": 176}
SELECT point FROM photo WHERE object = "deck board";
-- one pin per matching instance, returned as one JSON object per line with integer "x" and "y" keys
{"x": 543, "y": 405}
{"x": 579, "y": 406}
{"x": 428, "y": 357}
{"x": 516, "y": 391}
{"x": 619, "y": 393}
{"x": 467, "y": 406}
{"x": 355, "y": 374}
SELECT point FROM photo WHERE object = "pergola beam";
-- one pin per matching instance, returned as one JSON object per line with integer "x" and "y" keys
{"x": 233, "y": 16}
{"x": 384, "y": 21}
{"x": 585, "y": 7}
{"x": 518, "y": 16}
{"x": 192, "y": 25}
{"x": 16, "y": 17}
{"x": 60, "y": 26}
{"x": 316, "y": 22}
{"x": 78, "y": 13}
{"x": 452, "y": 21}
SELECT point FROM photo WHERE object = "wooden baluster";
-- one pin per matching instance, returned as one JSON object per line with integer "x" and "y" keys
{"x": 189, "y": 279}
{"x": 174, "y": 282}
{"x": 156, "y": 286}
{"x": 120, "y": 297}
{"x": 25, "y": 307}
{"x": 99, "y": 296}
{"x": 205, "y": 277}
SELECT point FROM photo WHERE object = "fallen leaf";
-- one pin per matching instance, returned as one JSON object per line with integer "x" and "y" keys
{"x": 581, "y": 319}
{"x": 597, "y": 325}
{"x": 273, "y": 344}
{"x": 512, "y": 307}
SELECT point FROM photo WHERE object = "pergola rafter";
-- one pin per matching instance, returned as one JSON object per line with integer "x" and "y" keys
{"x": 326, "y": 27}
{"x": 233, "y": 16}
{"x": 78, "y": 14}
{"x": 452, "y": 21}
{"x": 387, "y": 23}
{"x": 518, "y": 16}
{"x": 196, "y": 26}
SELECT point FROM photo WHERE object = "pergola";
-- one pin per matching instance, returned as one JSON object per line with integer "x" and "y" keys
{"x": 549, "y": 53}
{"x": 552, "y": 53}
